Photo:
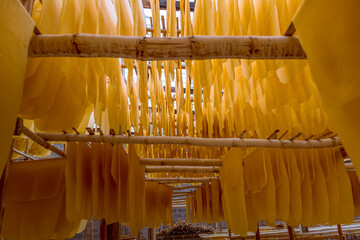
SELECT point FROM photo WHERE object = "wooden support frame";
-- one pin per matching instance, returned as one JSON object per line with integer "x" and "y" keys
{"x": 166, "y": 48}
{"x": 208, "y": 142}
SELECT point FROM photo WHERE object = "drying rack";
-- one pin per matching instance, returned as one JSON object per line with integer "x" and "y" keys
{"x": 187, "y": 48}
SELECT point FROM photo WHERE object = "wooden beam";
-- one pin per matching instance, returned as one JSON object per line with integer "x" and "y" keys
{"x": 164, "y": 48}
{"x": 194, "y": 141}
{"x": 182, "y": 169}
{"x": 181, "y": 180}
{"x": 180, "y": 162}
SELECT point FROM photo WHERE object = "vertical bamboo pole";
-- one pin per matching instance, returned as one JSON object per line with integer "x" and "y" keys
{"x": 86, "y": 229}
{"x": 149, "y": 234}
{"x": 113, "y": 231}
{"x": 120, "y": 231}
{"x": 341, "y": 236}
{"x": 291, "y": 233}
{"x": 138, "y": 236}
{"x": 257, "y": 235}
{"x": 103, "y": 230}
{"x": 91, "y": 229}
{"x": 303, "y": 229}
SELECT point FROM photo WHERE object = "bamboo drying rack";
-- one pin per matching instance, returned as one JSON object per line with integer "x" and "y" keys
{"x": 178, "y": 48}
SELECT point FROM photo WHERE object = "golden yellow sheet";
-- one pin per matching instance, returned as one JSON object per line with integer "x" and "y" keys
{"x": 35, "y": 201}
{"x": 232, "y": 182}
{"x": 331, "y": 45}
{"x": 16, "y": 29}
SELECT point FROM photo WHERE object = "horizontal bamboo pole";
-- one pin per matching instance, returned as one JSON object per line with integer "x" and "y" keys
{"x": 165, "y": 48}
{"x": 24, "y": 154}
{"x": 183, "y": 165}
{"x": 314, "y": 232}
{"x": 181, "y": 180}
{"x": 180, "y": 162}
{"x": 180, "y": 206}
{"x": 181, "y": 195}
{"x": 39, "y": 140}
{"x": 182, "y": 188}
{"x": 182, "y": 169}
{"x": 209, "y": 142}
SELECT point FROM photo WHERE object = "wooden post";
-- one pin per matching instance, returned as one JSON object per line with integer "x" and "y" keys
{"x": 113, "y": 231}
{"x": 86, "y": 229}
{"x": 103, "y": 230}
{"x": 229, "y": 231}
{"x": 138, "y": 236}
{"x": 150, "y": 235}
{"x": 220, "y": 227}
{"x": 120, "y": 233}
{"x": 91, "y": 229}
{"x": 291, "y": 233}
{"x": 341, "y": 236}
{"x": 303, "y": 229}
{"x": 257, "y": 235}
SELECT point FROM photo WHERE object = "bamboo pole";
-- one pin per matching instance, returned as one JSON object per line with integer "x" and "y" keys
{"x": 166, "y": 48}
{"x": 341, "y": 237}
{"x": 179, "y": 206}
{"x": 39, "y": 140}
{"x": 180, "y": 180}
{"x": 180, "y": 162}
{"x": 291, "y": 233}
{"x": 180, "y": 188}
{"x": 24, "y": 154}
{"x": 181, "y": 195}
{"x": 194, "y": 141}
{"x": 138, "y": 236}
{"x": 182, "y": 169}
{"x": 290, "y": 30}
